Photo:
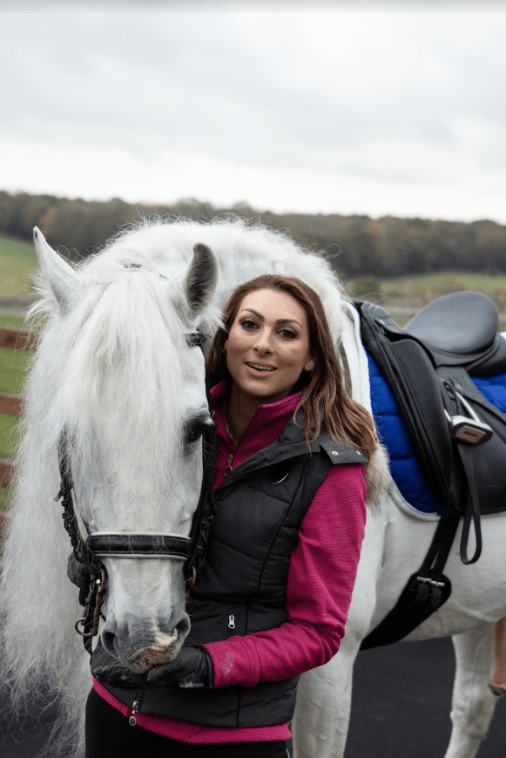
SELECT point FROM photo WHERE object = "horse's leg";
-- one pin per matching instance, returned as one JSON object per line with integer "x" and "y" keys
{"x": 473, "y": 702}
{"x": 322, "y": 713}
{"x": 498, "y": 678}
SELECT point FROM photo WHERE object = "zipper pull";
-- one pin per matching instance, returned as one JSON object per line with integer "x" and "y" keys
{"x": 135, "y": 707}
{"x": 231, "y": 621}
{"x": 228, "y": 467}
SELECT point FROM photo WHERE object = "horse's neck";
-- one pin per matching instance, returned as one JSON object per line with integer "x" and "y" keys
{"x": 378, "y": 473}
{"x": 355, "y": 355}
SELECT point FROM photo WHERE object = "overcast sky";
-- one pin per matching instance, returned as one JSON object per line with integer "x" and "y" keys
{"x": 366, "y": 108}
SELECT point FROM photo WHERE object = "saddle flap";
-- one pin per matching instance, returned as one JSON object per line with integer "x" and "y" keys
{"x": 410, "y": 375}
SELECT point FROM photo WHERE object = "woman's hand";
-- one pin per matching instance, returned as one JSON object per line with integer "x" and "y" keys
{"x": 107, "y": 670}
{"x": 192, "y": 669}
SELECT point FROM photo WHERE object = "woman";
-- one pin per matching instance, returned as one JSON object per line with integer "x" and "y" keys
{"x": 272, "y": 598}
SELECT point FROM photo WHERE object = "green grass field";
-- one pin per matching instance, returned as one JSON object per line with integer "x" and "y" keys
{"x": 429, "y": 286}
{"x": 17, "y": 262}
{"x": 13, "y": 367}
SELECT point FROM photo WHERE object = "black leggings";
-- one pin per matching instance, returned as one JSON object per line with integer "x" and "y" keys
{"x": 109, "y": 735}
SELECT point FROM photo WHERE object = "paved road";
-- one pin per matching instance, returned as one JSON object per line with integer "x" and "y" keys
{"x": 401, "y": 706}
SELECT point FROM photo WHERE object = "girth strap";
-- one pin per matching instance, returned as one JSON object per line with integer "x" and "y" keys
{"x": 426, "y": 590}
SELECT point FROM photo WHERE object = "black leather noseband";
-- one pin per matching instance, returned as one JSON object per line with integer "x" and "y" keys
{"x": 140, "y": 545}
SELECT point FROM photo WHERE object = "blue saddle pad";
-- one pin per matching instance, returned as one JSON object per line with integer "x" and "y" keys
{"x": 392, "y": 431}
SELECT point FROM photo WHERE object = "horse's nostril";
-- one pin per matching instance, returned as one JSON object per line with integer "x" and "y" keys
{"x": 108, "y": 641}
{"x": 183, "y": 627}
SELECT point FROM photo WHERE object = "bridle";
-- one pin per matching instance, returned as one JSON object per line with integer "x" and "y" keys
{"x": 88, "y": 552}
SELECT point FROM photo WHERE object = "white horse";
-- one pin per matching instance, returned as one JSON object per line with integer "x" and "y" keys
{"x": 114, "y": 370}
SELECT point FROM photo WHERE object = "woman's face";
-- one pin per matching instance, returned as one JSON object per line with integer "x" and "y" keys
{"x": 268, "y": 345}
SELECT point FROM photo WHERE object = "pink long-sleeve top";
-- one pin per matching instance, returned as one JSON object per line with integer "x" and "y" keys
{"x": 321, "y": 577}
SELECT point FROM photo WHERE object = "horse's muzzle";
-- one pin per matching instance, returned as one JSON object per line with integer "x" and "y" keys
{"x": 141, "y": 648}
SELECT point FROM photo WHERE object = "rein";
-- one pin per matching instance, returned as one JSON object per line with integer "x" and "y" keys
{"x": 89, "y": 552}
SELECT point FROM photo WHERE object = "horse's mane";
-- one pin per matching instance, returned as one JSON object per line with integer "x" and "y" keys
{"x": 118, "y": 329}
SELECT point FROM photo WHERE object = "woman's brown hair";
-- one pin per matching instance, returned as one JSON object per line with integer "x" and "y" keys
{"x": 324, "y": 398}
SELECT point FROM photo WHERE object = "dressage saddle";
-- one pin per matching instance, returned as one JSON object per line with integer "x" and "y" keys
{"x": 457, "y": 436}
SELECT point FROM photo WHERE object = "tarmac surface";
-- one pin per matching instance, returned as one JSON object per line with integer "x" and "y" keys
{"x": 401, "y": 704}
{"x": 401, "y": 707}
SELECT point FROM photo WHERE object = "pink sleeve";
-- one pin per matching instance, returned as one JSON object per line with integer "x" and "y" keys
{"x": 321, "y": 577}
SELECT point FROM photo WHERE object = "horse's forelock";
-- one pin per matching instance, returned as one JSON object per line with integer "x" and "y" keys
{"x": 126, "y": 361}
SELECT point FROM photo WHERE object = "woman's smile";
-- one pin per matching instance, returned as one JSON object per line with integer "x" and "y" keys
{"x": 260, "y": 367}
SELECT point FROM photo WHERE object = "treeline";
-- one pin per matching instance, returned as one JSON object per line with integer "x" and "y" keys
{"x": 357, "y": 245}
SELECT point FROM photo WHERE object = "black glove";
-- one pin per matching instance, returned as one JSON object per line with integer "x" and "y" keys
{"x": 192, "y": 669}
{"x": 108, "y": 670}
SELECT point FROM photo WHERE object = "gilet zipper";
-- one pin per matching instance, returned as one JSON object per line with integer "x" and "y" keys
{"x": 135, "y": 708}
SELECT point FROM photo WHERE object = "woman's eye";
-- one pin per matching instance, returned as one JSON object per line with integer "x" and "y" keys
{"x": 248, "y": 324}
{"x": 288, "y": 334}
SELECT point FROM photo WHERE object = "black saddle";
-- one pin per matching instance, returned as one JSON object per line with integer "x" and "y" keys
{"x": 462, "y": 323}
{"x": 458, "y": 437}
{"x": 461, "y": 329}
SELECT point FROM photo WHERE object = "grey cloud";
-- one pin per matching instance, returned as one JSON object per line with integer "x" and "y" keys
{"x": 155, "y": 80}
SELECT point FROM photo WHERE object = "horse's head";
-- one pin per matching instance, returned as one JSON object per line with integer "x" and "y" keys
{"x": 124, "y": 383}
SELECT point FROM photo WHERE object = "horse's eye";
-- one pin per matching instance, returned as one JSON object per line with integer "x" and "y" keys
{"x": 194, "y": 429}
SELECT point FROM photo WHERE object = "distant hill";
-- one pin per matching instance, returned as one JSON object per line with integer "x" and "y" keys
{"x": 356, "y": 245}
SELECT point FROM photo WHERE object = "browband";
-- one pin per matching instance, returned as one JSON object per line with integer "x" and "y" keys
{"x": 140, "y": 545}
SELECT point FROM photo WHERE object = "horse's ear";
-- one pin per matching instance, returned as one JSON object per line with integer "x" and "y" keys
{"x": 63, "y": 282}
{"x": 201, "y": 278}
